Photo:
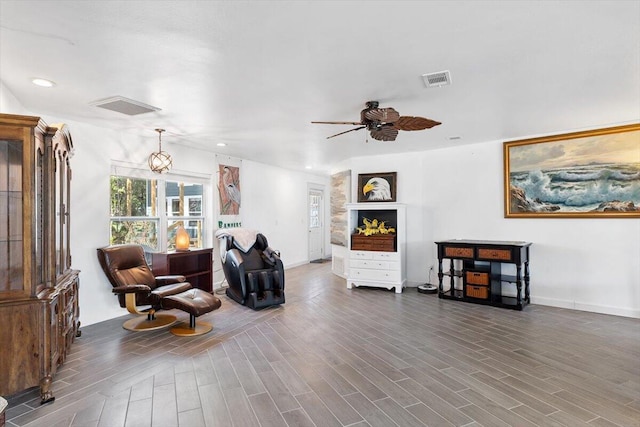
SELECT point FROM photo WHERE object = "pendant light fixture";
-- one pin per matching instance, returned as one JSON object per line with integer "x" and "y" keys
{"x": 160, "y": 161}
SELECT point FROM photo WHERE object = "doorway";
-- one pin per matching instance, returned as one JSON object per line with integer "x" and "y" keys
{"x": 316, "y": 224}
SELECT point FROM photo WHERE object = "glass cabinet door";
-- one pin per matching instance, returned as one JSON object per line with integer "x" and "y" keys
{"x": 67, "y": 221}
{"x": 11, "y": 207}
{"x": 62, "y": 178}
{"x": 57, "y": 204}
{"x": 60, "y": 198}
{"x": 39, "y": 217}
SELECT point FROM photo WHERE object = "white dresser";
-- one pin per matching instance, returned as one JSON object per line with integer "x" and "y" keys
{"x": 378, "y": 268}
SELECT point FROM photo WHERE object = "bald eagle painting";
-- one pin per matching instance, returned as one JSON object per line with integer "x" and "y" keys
{"x": 377, "y": 187}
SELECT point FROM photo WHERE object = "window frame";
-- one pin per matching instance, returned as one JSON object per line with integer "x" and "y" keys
{"x": 186, "y": 217}
{"x": 163, "y": 217}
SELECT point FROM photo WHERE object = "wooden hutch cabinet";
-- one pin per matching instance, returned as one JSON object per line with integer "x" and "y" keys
{"x": 38, "y": 288}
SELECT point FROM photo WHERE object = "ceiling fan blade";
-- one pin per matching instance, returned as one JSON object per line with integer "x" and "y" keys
{"x": 414, "y": 123}
{"x": 384, "y": 133}
{"x": 338, "y": 123}
{"x": 346, "y": 131}
{"x": 382, "y": 115}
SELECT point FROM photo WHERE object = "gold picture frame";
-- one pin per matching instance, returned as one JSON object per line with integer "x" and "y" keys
{"x": 590, "y": 174}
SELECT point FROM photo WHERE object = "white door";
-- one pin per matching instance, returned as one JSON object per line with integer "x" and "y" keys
{"x": 316, "y": 225}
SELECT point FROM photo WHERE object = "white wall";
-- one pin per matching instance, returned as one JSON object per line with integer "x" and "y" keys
{"x": 274, "y": 201}
{"x": 585, "y": 264}
{"x": 9, "y": 103}
{"x": 411, "y": 191}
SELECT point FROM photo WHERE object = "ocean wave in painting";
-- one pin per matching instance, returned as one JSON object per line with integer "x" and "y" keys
{"x": 581, "y": 188}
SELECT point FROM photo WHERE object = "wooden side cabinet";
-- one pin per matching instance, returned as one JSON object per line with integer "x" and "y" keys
{"x": 39, "y": 310}
{"x": 480, "y": 276}
{"x": 196, "y": 265}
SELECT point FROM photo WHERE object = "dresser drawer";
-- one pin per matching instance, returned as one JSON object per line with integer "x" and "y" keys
{"x": 387, "y": 256}
{"x": 374, "y": 275}
{"x": 474, "y": 291}
{"x": 477, "y": 278}
{"x": 381, "y": 242}
{"x": 495, "y": 254}
{"x": 458, "y": 252}
{"x": 360, "y": 255}
{"x": 371, "y": 264}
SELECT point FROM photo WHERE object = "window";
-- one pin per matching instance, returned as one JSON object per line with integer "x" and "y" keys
{"x": 134, "y": 216}
{"x": 184, "y": 208}
{"x": 138, "y": 214}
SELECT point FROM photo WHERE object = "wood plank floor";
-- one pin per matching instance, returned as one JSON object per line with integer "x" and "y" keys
{"x": 362, "y": 357}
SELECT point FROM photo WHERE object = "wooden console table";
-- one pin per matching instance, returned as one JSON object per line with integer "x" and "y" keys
{"x": 195, "y": 265}
{"x": 480, "y": 278}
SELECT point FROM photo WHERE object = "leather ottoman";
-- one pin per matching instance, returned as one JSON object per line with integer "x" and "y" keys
{"x": 196, "y": 302}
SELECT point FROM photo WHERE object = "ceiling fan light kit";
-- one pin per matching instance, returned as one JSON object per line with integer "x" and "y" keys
{"x": 384, "y": 123}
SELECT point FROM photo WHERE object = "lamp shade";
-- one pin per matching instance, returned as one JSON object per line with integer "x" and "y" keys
{"x": 182, "y": 239}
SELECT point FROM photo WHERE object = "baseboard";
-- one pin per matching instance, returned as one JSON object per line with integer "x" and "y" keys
{"x": 295, "y": 264}
{"x": 592, "y": 308}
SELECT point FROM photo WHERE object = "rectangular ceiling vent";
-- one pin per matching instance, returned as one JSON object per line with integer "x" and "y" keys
{"x": 123, "y": 105}
{"x": 441, "y": 78}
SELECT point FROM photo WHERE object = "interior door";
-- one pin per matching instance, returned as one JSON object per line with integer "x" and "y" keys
{"x": 316, "y": 225}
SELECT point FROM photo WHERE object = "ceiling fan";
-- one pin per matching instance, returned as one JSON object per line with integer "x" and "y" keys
{"x": 384, "y": 123}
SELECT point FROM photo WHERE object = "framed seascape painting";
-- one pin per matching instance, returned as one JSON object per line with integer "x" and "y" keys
{"x": 587, "y": 174}
{"x": 377, "y": 187}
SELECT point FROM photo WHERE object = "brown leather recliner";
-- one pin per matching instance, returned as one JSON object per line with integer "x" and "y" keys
{"x": 133, "y": 281}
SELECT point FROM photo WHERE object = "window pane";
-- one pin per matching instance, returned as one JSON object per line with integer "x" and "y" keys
{"x": 133, "y": 197}
{"x": 175, "y": 207}
{"x": 183, "y": 199}
{"x": 143, "y": 232}
{"x": 195, "y": 206}
{"x": 194, "y": 229}
{"x": 314, "y": 211}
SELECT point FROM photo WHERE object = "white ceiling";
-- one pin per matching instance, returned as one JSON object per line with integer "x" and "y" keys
{"x": 254, "y": 74}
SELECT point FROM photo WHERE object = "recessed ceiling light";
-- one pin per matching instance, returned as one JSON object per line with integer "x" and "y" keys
{"x": 221, "y": 144}
{"x": 308, "y": 167}
{"x": 42, "y": 82}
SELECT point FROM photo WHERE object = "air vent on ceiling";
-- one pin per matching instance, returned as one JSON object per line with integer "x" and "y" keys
{"x": 441, "y": 78}
{"x": 123, "y": 105}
